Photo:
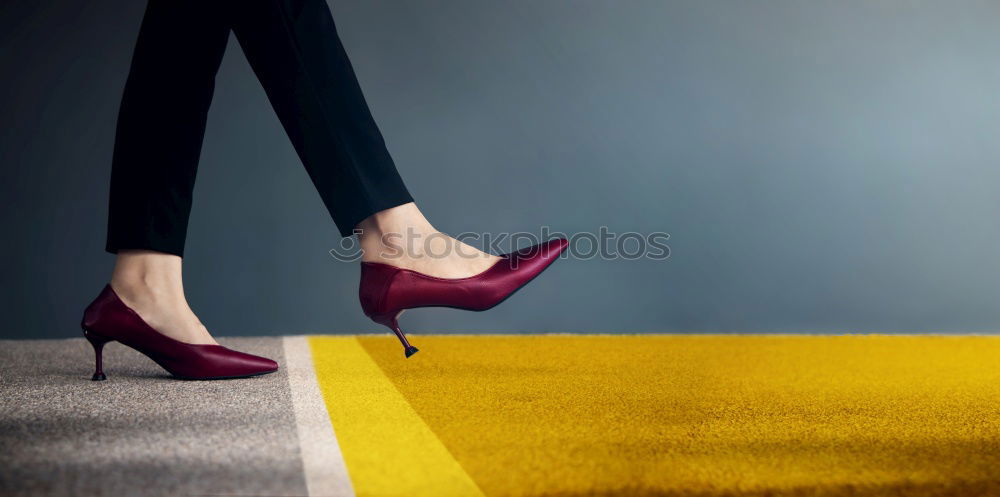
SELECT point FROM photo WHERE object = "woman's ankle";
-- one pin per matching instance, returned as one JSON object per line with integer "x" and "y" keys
{"x": 402, "y": 237}
{"x": 147, "y": 274}
{"x": 397, "y": 232}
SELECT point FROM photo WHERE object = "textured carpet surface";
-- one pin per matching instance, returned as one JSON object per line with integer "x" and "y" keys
{"x": 141, "y": 432}
{"x": 388, "y": 449}
{"x": 701, "y": 415}
{"x": 555, "y": 415}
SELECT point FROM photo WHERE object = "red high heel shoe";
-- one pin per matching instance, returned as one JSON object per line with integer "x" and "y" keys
{"x": 386, "y": 291}
{"x": 108, "y": 319}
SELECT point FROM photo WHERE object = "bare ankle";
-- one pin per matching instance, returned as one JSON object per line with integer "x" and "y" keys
{"x": 394, "y": 233}
{"x": 402, "y": 237}
{"x": 147, "y": 275}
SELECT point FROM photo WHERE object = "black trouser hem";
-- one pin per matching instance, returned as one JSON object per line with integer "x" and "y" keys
{"x": 113, "y": 247}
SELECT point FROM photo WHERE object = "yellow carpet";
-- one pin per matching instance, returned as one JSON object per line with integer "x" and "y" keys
{"x": 565, "y": 415}
{"x": 388, "y": 449}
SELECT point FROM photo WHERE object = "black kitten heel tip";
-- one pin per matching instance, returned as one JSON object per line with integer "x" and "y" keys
{"x": 98, "y": 377}
{"x": 411, "y": 350}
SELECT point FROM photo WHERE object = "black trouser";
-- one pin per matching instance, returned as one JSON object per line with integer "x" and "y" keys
{"x": 296, "y": 54}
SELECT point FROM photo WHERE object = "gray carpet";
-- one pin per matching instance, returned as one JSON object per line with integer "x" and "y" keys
{"x": 141, "y": 432}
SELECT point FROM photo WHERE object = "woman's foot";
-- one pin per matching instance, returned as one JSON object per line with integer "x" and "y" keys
{"x": 150, "y": 284}
{"x": 402, "y": 237}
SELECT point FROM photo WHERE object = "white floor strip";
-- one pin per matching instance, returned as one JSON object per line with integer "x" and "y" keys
{"x": 325, "y": 471}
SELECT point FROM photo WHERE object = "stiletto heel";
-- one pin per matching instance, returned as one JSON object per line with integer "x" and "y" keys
{"x": 386, "y": 291}
{"x": 98, "y": 342}
{"x": 390, "y": 321}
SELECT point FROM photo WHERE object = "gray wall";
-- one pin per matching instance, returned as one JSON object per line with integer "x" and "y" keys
{"x": 820, "y": 166}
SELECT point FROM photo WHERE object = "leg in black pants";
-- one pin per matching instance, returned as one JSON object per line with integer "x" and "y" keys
{"x": 294, "y": 49}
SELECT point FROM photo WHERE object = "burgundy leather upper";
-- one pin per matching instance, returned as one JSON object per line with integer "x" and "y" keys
{"x": 109, "y": 317}
{"x": 386, "y": 290}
